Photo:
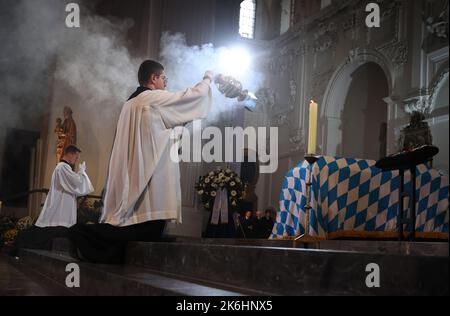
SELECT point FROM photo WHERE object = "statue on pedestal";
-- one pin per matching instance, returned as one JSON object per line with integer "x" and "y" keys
{"x": 66, "y": 133}
{"x": 70, "y": 128}
{"x": 60, "y": 140}
{"x": 416, "y": 134}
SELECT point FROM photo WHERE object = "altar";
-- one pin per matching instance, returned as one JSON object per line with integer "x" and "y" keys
{"x": 351, "y": 198}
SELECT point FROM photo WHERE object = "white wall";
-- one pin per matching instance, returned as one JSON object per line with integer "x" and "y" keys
{"x": 285, "y": 15}
{"x": 96, "y": 124}
{"x": 439, "y": 124}
{"x": 353, "y": 119}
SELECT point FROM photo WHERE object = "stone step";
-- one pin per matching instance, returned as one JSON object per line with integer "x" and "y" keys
{"x": 433, "y": 249}
{"x": 116, "y": 280}
{"x": 19, "y": 280}
{"x": 295, "y": 271}
{"x": 264, "y": 267}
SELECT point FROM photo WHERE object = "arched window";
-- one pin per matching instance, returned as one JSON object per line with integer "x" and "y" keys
{"x": 247, "y": 19}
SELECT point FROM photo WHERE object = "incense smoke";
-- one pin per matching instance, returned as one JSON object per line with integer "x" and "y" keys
{"x": 41, "y": 58}
{"x": 186, "y": 65}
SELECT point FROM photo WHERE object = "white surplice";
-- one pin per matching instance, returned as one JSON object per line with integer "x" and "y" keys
{"x": 60, "y": 208}
{"x": 143, "y": 182}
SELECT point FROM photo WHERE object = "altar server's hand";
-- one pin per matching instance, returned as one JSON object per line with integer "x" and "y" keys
{"x": 209, "y": 75}
{"x": 82, "y": 167}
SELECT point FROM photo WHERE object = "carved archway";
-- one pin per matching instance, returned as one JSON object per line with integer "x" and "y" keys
{"x": 439, "y": 119}
{"x": 337, "y": 90}
{"x": 437, "y": 86}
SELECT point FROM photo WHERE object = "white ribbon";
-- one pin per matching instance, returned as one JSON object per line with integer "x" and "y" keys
{"x": 220, "y": 210}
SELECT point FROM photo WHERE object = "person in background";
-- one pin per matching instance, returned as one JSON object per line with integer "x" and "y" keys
{"x": 60, "y": 208}
{"x": 247, "y": 224}
{"x": 259, "y": 225}
{"x": 268, "y": 222}
{"x": 59, "y": 213}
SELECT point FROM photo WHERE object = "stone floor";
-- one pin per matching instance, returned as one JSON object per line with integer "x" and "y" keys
{"x": 16, "y": 280}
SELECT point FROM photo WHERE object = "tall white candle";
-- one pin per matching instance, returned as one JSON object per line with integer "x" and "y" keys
{"x": 312, "y": 137}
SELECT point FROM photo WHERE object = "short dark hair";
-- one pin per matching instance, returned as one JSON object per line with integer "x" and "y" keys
{"x": 148, "y": 68}
{"x": 270, "y": 210}
{"x": 71, "y": 149}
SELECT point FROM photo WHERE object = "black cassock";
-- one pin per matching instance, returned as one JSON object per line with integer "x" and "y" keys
{"x": 100, "y": 243}
{"x": 38, "y": 238}
{"x": 104, "y": 243}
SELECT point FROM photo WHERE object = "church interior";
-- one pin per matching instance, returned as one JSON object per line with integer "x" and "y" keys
{"x": 346, "y": 193}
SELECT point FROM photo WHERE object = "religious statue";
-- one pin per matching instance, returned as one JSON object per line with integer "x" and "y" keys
{"x": 60, "y": 139}
{"x": 66, "y": 133}
{"x": 416, "y": 134}
{"x": 70, "y": 128}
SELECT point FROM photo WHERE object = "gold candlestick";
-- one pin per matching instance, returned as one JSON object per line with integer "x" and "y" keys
{"x": 306, "y": 237}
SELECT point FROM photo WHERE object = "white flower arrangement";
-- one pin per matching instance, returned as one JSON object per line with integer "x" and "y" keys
{"x": 208, "y": 186}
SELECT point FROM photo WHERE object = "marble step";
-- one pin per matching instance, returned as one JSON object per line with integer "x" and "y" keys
{"x": 19, "y": 280}
{"x": 286, "y": 268}
{"x": 113, "y": 280}
{"x": 295, "y": 271}
{"x": 433, "y": 249}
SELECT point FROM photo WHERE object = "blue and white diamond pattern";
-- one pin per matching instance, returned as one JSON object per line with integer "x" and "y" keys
{"x": 353, "y": 195}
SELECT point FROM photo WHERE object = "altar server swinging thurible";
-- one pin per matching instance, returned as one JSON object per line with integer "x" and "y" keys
{"x": 143, "y": 185}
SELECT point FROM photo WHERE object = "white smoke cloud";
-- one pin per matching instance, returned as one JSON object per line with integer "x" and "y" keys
{"x": 27, "y": 46}
{"x": 96, "y": 63}
{"x": 39, "y": 52}
{"x": 185, "y": 66}
{"x": 92, "y": 60}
